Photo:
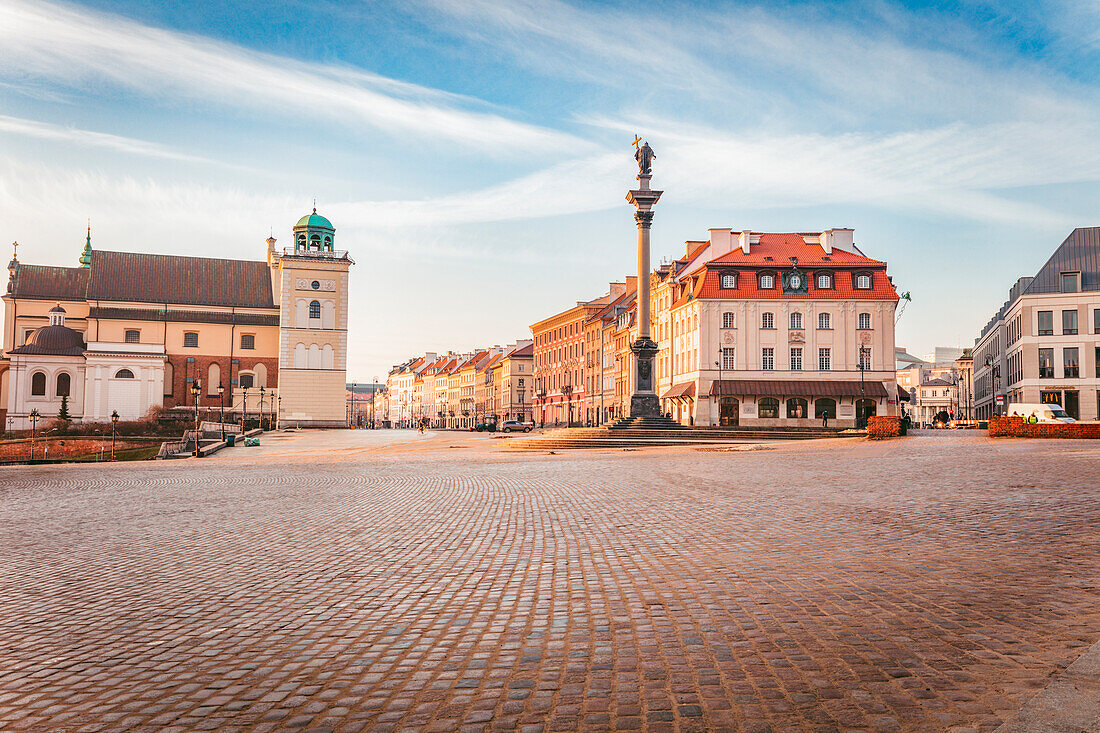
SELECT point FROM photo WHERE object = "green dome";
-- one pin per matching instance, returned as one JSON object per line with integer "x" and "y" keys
{"x": 315, "y": 220}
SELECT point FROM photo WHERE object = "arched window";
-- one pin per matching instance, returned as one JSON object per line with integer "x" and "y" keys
{"x": 315, "y": 242}
{"x": 729, "y": 281}
{"x": 328, "y": 243}
{"x": 169, "y": 375}
{"x": 124, "y": 374}
{"x": 248, "y": 381}
{"x": 38, "y": 384}
{"x": 213, "y": 378}
{"x": 314, "y": 309}
{"x": 769, "y": 407}
{"x": 767, "y": 281}
{"x": 824, "y": 406}
{"x": 796, "y": 321}
{"x": 767, "y": 320}
{"x": 797, "y": 408}
{"x": 63, "y": 381}
{"x": 824, "y": 321}
{"x": 864, "y": 321}
{"x": 301, "y": 241}
{"x": 261, "y": 375}
{"x": 824, "y": 281}
{"x": 728, "y": 320}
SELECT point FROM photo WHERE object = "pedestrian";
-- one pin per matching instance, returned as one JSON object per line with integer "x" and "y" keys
{"x": 824, "y": 418}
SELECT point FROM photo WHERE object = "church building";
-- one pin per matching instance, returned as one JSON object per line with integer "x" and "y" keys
{"x": 125, "y": 332}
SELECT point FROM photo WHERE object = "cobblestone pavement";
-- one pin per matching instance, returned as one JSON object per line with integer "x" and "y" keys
{"x": 335, "y": 581}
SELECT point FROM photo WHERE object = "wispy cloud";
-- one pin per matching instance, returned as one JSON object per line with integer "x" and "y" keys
{"x": 58, "y": 133}
{"x": 76, "y": 46}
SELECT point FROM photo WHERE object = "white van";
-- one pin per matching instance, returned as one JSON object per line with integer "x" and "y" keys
{"x": 1043, "y": 413}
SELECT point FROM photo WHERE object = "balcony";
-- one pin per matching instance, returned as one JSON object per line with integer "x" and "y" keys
{"x": 313, "y": 254}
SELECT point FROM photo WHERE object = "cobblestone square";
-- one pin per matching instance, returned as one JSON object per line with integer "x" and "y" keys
{"x": 352, "y": 581}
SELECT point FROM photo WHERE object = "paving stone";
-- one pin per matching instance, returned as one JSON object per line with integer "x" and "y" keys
{"x": 933, "y": 583}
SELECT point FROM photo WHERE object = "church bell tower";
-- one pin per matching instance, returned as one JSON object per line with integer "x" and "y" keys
{"x": 311, "y": 282}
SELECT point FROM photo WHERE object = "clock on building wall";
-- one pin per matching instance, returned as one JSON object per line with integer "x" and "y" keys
{"x": 794, "y": 282}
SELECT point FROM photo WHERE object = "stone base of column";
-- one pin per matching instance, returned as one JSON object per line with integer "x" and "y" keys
{"x": 645, "y": 405}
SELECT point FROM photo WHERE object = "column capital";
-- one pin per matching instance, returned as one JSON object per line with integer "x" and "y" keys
{"x": 644, "y": 219}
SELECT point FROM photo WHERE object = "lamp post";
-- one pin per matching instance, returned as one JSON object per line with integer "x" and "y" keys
{"x": 244, "y": 411}
{"x": 373, "y": 393}
{"x": 542, "y": 401}
{"x": 567, "y": 393}
{"x": 862, "y": 389}
{"x": 262, "y": 393}
{"x": 34, "y": 418}
{"x": 196, "y": 390}
{"x": 114, "y": 422}
{"x": 221, "y": 408}
{"x": 994, "y": 376}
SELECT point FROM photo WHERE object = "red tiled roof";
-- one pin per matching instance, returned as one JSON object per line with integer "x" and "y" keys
{"x": 46, "y": 282}
{"x": 781, "y": 247}
{"x": 528, "y": 350}
{"x": 157, "y": 278}
{"x": 843, "y": 288}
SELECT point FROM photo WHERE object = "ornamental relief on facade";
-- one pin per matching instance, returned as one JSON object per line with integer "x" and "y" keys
{"x": 796, "y": 337}
{"x": 865, "y": 338}
{"x": 328, "y": 286}
{"x": 729, "y": 337}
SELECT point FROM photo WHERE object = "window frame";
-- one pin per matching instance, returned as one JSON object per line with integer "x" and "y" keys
{"x": 1071, "y": 330}
{"x": 760, "y": 280}
{"x": 795, "y": 402}
{"x": 1039, "y": 330}
{"x": 770, "y": 404}
{"x": 732, "y": 320}
{"x": 194, "y": 336}
{"x": 1066, "y": 366}
{"x": 860, "y": 274}
{"x": 722, "y": 280}
{"x": 313, "y": 303}
{"x": 828, "y": 320}
{"x": 791, "y": 321}
{"x": 794, "y": 368}
{"x": 1046, "y": 372}
{"x": 859, "y": 322}
{"x": 136, "y": 333}
{"x": 767, "y": 359}
{"x": 34, "y": 376}
{"x": 1076, "y": 275}
{"x": 824, "y": 357}
{"x": 764, "y": 318}
{"x": 831, "y": 277}
{"x": 729, "y": 358}
{"x": 251, "y": 344}
{"x": 68, "y": 384}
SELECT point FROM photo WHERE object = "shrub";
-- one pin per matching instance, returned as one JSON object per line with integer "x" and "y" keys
{"x": 1015, "y": 427}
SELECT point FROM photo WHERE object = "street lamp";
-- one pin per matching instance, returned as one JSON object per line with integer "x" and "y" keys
{"x": 114, "y": 422}
{"x": 196, "y": 390}
{"x": 221, "y": 408}
{"x": 34, "y": 418}
{"x": 244, "y": 411}
{"x": 262, "y": 392}
{"x": 567, "y": 392}
{"x": 994, "y": 376}
{"x": 862, "y": 390}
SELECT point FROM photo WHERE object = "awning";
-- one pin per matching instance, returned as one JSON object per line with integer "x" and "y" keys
{"x": 797, "y": 388}
{"x": 903, "y": 394}
{"x": 687, "y": 389}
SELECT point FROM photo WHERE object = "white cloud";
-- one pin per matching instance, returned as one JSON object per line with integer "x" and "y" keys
{"x": 76, "y": 46}
{"x": 57, "y": 133}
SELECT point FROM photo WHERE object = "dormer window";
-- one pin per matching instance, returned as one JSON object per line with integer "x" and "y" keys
{"x": 729, "y": 281}
{"x": 1071, "y": 282}
{"x": 824, "y": 281}
{"x": 863, "y": 281}
{"x": 767, "y": 281}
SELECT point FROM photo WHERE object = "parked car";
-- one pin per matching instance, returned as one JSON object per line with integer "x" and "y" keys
{"x": 515, "y": 426}
{"x": 1050, "y": 412}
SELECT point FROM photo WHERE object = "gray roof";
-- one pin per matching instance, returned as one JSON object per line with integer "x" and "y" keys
{"x": 1080, "y": 252}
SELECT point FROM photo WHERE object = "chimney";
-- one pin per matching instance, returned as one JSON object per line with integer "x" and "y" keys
{"x": 744, "y": 238}
{"x": 837, "y": 239}
{"x": 721, "y": 242}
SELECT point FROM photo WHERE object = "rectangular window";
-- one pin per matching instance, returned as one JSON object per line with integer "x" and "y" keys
{"x": 1046, "y": 323}
{"x": 1069, "y": 282}
{"x": 727, "y": 358}
{"x": 191, "y": 340}
{"x": 824, "y": 321}
{"x": 796, "y": 321}
{"x": 1070, "y": 365}
{"x": 728, "y": 320}
{"x": 1096, "y": 320}
{"x": 864, "y": 321}
{"x": 767, "y": 320}
{"x": 796, "y": 358}
{"x": 767, "y": 358}
{"x": 1069, "y": 323}
{"x": 133, "y": 336}
{"x": 1097, "y": 361}
{"x": 824, "y": 360}
{"x": 248, "y": 341}
{"x": 1046, "y": 363}
{"x": 865, "y": 359}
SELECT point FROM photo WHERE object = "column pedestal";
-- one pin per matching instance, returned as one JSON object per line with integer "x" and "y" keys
{"x": 644, "y": 402}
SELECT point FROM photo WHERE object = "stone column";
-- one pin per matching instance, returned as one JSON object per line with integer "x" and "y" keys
{"x": 644, "y": 402}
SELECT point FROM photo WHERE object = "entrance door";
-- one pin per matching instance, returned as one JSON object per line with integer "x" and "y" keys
{"x": 1073, "y": 404}
{"x": 864, "y": 409}
{"x": 728, "y": 409}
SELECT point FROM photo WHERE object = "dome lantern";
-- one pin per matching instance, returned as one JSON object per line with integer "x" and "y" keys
{"x": 314, "y": 233}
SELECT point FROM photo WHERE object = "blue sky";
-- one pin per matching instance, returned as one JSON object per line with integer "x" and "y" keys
{"x": 474, "y": 154}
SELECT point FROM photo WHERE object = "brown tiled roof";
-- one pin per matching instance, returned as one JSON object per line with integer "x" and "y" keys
{"x": 157, "y": 278}
{"x": 797, "y": 388}
{"x": 178, "y": 316}
{"x": 47, "y": 282}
